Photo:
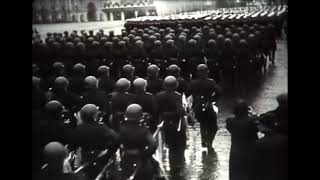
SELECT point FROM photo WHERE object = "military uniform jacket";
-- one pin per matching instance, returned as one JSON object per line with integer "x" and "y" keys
{"x": 202, "y": 91}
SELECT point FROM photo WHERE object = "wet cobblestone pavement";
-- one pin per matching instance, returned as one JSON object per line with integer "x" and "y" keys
{"x": 201, "y": 165}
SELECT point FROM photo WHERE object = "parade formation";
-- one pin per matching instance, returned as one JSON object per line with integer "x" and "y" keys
{"x": 103, "y": 105}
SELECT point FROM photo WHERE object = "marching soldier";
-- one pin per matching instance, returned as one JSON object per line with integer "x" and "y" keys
{"x": 171, "y": 111}
{"x": 77, "y": 79}
{"x": 93, "y": 95}
{"x": 138, "y": 146}
{"x": 205, "y": 91}
{"x": 60, "y": 92}
{"x": 92, "y": 138}
{"x": 105, "y": 82}
{"x": 119, "y": 101}
{"x": 183, "y": 86}
{"x": 147, "y": 102}
{"x": 55, "y": 153}
{"x": 154, "y": 83}
{"x": 213, "y": 59}
{"x": 128, "y": 72}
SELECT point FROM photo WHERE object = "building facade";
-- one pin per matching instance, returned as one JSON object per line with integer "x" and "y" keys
{"x": 58, "y": 11}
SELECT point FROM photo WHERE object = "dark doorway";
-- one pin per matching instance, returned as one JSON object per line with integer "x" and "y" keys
{"x": 92, "y": 12}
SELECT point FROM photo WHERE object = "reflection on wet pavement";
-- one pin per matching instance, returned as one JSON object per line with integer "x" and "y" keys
{"x": 197, "y": 163}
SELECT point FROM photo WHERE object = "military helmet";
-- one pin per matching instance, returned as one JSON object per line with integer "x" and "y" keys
{"x": 167, "y": 37}
{"x": 153, "y": 69}
{"x": 103, "y": 70}
{"x": 170, "y": 83}
{"x": 140, "y": 84}
{"x": 58, "y": 65}
{"x": 79, "y": 68}
{"x": 192, "y": 42}
{"x": 123, "y": 85}
{"x": 211, "y": 43}
{"x": 91, "y": 82}
{"x": 54, "y": 151}
{"x": 61, "y": 82}
{"x": 54, "y": 107}
{"x": 157, "y": 42}
{"x": 202, "y": 68}
{"x": 134, "y": 112}
{"x": 122, "y": 43}
{"x": 89, "y": 112}
{"x": 128, "y": 68}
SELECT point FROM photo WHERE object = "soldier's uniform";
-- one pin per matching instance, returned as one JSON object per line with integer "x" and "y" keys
{"x": 93, "y": 95}
{"x": 213, "y": 60}
{"x": 60, "y": 92}
{"x": 171, "y": 111}
{"x": 205, "y": 91}
{"x": 137, "y": 144}
{"x": 183, "y": 86}
{"x": 105, "y": 82}
{"x": 55, "y": 152}
{"x": 93, "y": 137}
{"x": 138, "y": 58}
{"x": 119, "y": 101}
{"x": 77, "y": 79}
{"x": 148, "y": 103}
{"x": 154, "y": 83}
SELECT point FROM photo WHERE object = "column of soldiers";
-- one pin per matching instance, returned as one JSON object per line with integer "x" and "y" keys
{"x": 97, "y": 92}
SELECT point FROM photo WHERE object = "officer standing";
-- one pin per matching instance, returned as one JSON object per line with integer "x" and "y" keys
{"x": 243, "y": 136}
{"x": 138, "y": 145}
{"x": 205, "y": 91}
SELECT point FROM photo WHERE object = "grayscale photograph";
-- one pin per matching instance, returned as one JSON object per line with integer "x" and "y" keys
{"x": 160, "y": 90}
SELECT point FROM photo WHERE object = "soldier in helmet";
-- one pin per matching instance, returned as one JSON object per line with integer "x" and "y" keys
{"x": 204, "y": 92}
{"x": 183, "y": 87}
{"x": 77, "y": 78}
{"x": 228, "y": 62}
{"x": 171, "y": 111}
{"x": 154, "y": 83}
{"x": 38, "y": 95}
{"x": 119, "y": 101}
{"x": 138, "y": 58}
{"x": 138, "y": 145}
{"x": 244, "y": 66}
{"x": 213, "y": 60}
{"x": 55, "y": 154}
{"x": 194, "y": 56}
{"x": 92, "y": 94}
{"x": 128, "y": 72}
{"x": 171, "y": 52}
{"x": 60, "y": 92}
{"x": 93, "y": 137}
{"x": 105, "y": 82}
{"x": 147, "y": 101}
{"x": 51, "y": 126}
